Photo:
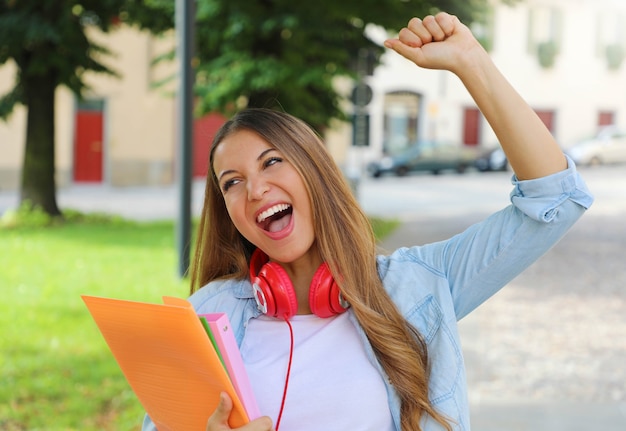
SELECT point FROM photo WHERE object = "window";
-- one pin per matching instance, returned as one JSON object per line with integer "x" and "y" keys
{"x": 401, "y": 120}
{"x": 611, "y": 38}
{"x": 545, "y": 30}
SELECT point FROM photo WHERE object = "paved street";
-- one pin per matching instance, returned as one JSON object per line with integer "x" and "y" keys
{"x": 548, "y": 353}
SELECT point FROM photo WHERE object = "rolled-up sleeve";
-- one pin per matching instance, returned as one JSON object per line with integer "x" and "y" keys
{"x": 488, "y": 255}
{"x": 539, "y": 198}
{"x": 473, "y": 265}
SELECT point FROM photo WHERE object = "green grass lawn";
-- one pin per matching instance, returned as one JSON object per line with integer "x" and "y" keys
{"x": 56, "y": 371}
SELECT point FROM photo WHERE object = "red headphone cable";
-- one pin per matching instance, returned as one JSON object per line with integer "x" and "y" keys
{"x": 282, "y": 404}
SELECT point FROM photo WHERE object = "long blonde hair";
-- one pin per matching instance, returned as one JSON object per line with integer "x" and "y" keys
{"x": 345, "y": 241}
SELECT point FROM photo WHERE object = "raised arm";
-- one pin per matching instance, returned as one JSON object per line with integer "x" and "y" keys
{"x": 443, "y": 42}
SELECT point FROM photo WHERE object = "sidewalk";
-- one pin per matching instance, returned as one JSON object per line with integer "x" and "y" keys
{"x": 137, "y": 203}
{"x": 556, "y": 416}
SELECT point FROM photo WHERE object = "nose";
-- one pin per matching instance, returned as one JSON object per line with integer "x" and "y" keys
{"x": 257, "y": 187}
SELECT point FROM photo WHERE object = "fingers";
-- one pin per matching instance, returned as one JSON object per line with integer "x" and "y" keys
{"x": 434, "y": 42}
{"x": 263, "y": 423}
{"x": 410, "y": 38}
{"x": 415, "y": 32}
{"x": 410, "y": 52}
{"x": 431, "y": 24}
{"x": 431, "y": 29}
{"x": 219, "y": 418}
{"x": 447, "y": 23}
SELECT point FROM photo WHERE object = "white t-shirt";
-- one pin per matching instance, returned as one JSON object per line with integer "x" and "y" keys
{"x": 332, "y": 385}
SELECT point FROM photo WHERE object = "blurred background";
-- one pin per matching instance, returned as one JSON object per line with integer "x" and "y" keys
{"x": 90, "y": 175}
{"x": 565, "y": 57}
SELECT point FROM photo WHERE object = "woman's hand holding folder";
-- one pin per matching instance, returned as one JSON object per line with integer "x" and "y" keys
{"x": 219, "y": 419}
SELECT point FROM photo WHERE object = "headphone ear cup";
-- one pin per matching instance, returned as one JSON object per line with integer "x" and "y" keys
{"x": 275, "y": 286}
{"x": 325, "y": 297}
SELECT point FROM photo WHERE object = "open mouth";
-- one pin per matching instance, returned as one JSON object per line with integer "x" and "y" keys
{"x": 276, "y": 218}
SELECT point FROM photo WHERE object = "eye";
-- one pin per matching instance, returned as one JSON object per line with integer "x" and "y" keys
{"x": 271, "y": 161}
{"x": 228, "y": 184}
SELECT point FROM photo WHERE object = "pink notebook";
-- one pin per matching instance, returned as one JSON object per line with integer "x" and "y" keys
{"x": 225, "y": 339}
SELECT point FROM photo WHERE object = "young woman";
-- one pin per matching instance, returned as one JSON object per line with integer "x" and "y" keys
{"x": 334, "y": 336}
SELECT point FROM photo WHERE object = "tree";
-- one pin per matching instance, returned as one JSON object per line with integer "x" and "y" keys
{"x": 284, "y": 53}
{"x": 287, "y": 53}
{"x": 47, "y": 41}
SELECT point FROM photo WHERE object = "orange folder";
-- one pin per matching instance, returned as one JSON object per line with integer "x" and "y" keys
{"x": 168, "y": 360}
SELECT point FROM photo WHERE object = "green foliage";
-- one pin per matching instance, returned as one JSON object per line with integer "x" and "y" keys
{"x": 286, "y": 53}
{"x": 48, "y": 38}
{"x": 384, "y": 227}
{"x": 8, "y": 102}
{"x": 26, "y": 216}
{"x": 30, "y": 216}
{"x": 57, "y": 371}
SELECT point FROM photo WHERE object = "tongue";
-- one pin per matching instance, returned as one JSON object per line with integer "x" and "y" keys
{"x": 279, "y": 224}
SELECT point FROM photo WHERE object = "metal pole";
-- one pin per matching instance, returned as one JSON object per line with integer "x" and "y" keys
{"x": 184, "y": 30}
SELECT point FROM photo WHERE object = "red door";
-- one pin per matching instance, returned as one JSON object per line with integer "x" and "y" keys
{"x": 471, "y": 126}
{"x": 204, "y": 130}
{"x": 88, "y": 146}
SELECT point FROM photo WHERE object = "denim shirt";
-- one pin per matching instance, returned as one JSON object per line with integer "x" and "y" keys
{"x": 435, "y": 285}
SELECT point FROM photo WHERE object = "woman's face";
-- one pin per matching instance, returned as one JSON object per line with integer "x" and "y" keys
{"x": 264, "y": 195}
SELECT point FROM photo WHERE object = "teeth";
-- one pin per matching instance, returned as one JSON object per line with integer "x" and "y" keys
{"x": 271, "y": 211}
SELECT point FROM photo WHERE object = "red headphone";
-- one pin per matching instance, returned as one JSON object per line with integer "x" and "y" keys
{"x": 274, "y": 292}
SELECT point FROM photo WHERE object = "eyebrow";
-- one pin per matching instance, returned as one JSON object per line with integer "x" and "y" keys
{"x": 261, "y": 156}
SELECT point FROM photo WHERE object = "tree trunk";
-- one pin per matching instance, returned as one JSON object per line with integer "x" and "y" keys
{"x": 38, "y": 186}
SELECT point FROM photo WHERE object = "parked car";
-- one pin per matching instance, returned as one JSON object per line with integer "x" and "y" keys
{"x": 493, "y": 159}
{"x": 605, "y": 147}
{"x": 425, "y": 156}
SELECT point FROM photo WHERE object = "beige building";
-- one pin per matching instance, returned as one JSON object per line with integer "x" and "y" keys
{"x": 121, "y": 134}
{"x": 566, "y": 57}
